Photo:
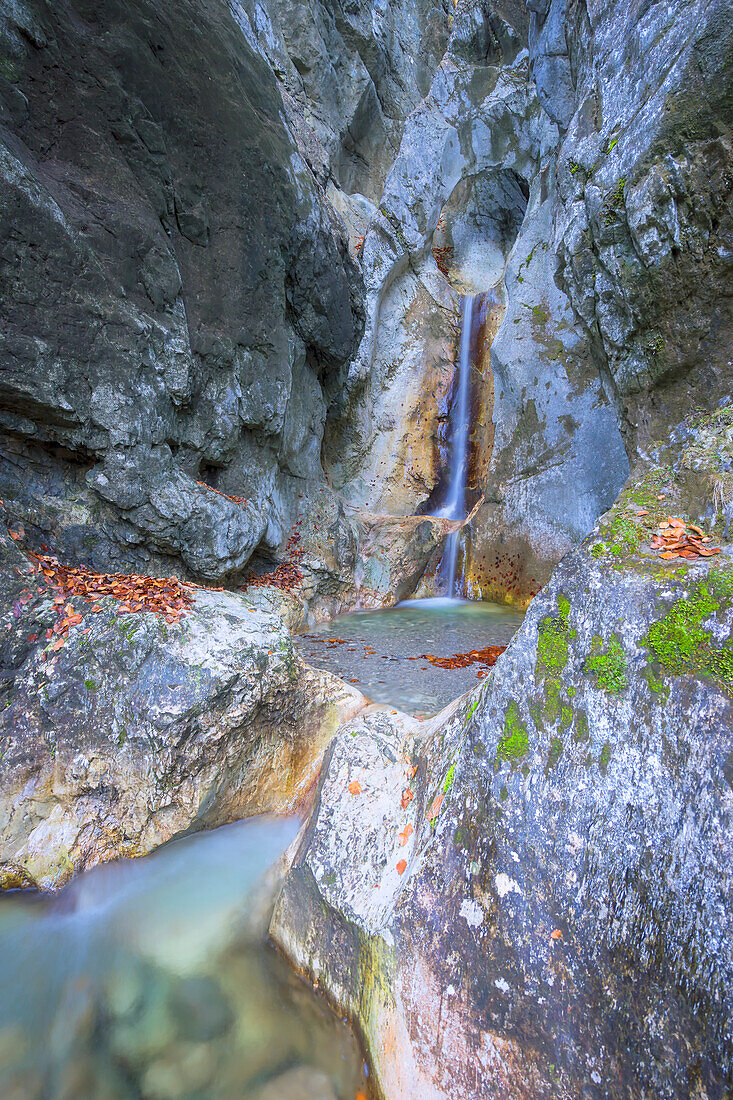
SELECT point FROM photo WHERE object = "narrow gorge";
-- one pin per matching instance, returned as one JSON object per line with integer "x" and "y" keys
{"x": 366, "y": 560}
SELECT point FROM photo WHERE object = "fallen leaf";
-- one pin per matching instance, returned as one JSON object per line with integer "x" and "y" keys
{"x": 434, "y": 807}
{"x": 412, "y": 771}
{"x": 405, "y": 835}
{"x": 556, "y": 934}
{"x": 58, "y": 644}
{"x": 696, "y": 529}
{"x": 407, "y": 797}
{"x": 401, "y": 867}
{"x": 643, "y": 512}
{"x": 355, "y": 786}
{"x": 668, "y": 554}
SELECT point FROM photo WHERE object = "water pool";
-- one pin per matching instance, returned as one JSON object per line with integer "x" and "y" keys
{"x": 380, "y": 651}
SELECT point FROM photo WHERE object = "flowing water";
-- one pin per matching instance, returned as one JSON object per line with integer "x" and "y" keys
{"x": 152, "y": 978}
{"x": 380, "y": 651}
{"x": 454, "y": 506}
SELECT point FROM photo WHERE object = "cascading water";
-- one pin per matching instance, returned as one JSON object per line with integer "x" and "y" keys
{"x": 459, "y": 417}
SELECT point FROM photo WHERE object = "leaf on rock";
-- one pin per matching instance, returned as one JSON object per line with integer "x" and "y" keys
{"x": 355, "y": 787}
{"x": 434, "y": 807}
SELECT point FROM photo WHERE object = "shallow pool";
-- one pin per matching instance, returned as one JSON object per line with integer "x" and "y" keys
{"x": 381, "y": 651}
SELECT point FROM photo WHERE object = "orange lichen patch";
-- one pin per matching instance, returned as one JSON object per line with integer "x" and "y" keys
{"x": 675, "y": 538}
{"x": 163, "y": 595}
{"x": 227, "y": 496}
{"x": 354, "y": 787}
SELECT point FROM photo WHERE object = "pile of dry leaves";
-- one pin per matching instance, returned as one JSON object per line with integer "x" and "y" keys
{"x": 165, "y": 596}
{"x": 443, "y": 257}
{"x": 674, "y": 538}
{"x": 288, "y": 574}
{"x": 488, "y": 656}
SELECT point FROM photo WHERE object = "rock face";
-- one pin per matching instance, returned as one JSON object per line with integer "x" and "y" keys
{"x": 137, "y": 730}
{"x": 179, "y": 296}
{"x": 560, "y": 927}
{"x": 476, "y": 174}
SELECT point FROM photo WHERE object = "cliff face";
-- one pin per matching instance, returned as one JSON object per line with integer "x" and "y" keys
{"x": 178, "y": 297}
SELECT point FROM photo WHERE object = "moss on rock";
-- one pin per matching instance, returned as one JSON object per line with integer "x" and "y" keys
{"x": 609, "y": 665}
{"x": 680, "y": 642}
{"x": 514, "y": 745}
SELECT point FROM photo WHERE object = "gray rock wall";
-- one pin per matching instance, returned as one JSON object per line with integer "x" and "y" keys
{"x": 178, "y": 297}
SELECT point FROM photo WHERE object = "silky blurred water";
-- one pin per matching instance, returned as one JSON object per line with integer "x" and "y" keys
{"x": 378, "y": 649}
{"x": 152, "y": 978}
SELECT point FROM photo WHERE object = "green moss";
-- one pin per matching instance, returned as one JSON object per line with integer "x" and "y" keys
{"x": 571, "y": 692}
{"x": 609, "y": 666}
{"x": 540, "y": 314}
{"x": 553, "y": 704}
{"x": 682, "y": 645}
{"x": 580, "y": 733}
{"x": 470, "y": 712}
{"x": 90, "y": 685}
{"x": 449, "y": 779}
{"x": 555, "y": 752}
{"x": 604, "y": 758}
{"x": 566, "y": 715}
{"x": 537, "y": 714}
{"x": 514, "y": 745}
{"x": 503, "y": 793}
{"x": 552, "y": 640}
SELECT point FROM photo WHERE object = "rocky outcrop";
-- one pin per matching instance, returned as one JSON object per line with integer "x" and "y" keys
{"x": 180, "y": 300}
{"x": 136, "y": 729}
{"x": 548, "y": 915}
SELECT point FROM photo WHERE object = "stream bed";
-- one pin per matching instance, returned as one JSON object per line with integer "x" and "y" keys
{"x": 382, "y": 652}
{"x": 152, "y": 978}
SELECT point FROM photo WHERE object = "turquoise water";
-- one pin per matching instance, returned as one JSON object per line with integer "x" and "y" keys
{"x": 380, "y": 649}
{"x": 151, "y": 979}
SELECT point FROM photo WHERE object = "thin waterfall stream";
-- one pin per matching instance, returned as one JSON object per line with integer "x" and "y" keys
{"x": 459, "y": 424}
{"x": 423, "y": 653}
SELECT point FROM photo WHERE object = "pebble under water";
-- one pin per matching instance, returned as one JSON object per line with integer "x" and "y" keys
{"x": 152, "y": 978}
{"x": 380, "y": 651}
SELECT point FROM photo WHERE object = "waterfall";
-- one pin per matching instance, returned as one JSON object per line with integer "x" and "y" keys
{"x": 459, "y": 417}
